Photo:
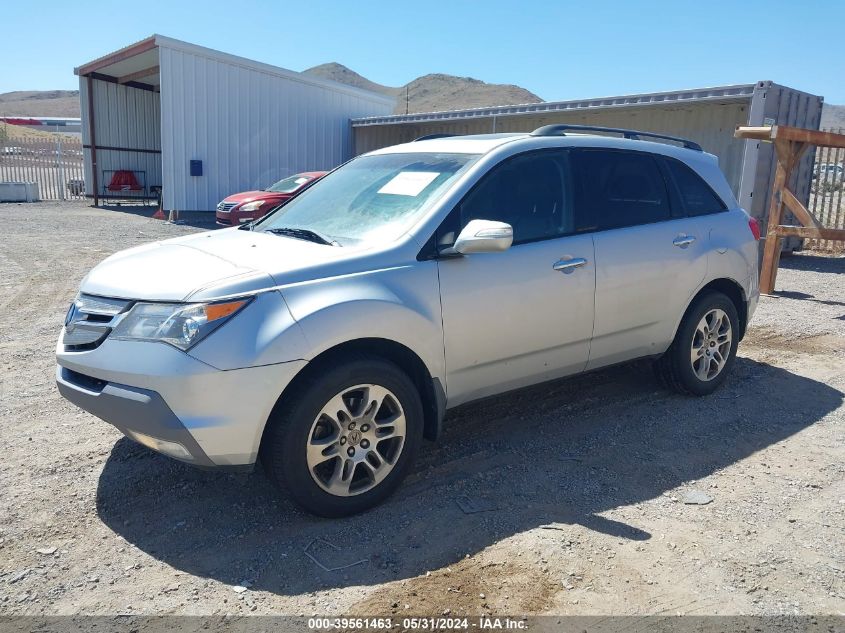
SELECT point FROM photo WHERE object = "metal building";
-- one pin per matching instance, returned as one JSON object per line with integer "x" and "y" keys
{"x": 708, "y": 116}
{"x": 159, "y": 106}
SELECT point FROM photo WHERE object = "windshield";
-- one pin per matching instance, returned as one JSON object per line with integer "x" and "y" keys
{"x": 289, "y": 184}
{"x": 371, "y": 198}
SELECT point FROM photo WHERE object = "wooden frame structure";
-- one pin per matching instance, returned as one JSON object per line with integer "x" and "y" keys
{"x": 790, "y": 144}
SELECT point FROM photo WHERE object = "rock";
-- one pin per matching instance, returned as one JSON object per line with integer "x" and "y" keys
{"x": 696, "y": 497}
{"x": 238, "y": 588}
{"x": 19, "y": 576}
{"x": 46, "y": 550}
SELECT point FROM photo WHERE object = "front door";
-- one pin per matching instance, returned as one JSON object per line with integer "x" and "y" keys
{"x": 524, "y": 315}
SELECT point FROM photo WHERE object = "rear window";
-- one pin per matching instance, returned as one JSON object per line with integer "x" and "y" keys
{"x": 617, "y": 189}
{"x": 696, "y": 196}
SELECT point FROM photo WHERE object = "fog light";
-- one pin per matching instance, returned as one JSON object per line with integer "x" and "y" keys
{"x": 173, "y": 449}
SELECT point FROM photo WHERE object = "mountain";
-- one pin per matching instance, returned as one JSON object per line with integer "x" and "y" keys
{"x": 58, "y": 103}
{"x": 341, "y": 74}
{"x": 433, "y": 92}
{"x": 426, "y": 94}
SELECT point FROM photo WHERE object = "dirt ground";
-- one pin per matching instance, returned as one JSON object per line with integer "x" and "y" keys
{"x": 567, "y": 498}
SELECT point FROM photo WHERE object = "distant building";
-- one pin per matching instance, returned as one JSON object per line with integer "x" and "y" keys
{"x": 47, "y": 124}
{"x": 200, "y": 124}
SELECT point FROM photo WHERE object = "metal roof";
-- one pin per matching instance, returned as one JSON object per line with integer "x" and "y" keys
{"x": 139, "y": 62}
{"x": 678, "y": 97}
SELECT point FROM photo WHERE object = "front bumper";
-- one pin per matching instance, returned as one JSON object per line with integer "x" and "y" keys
{"x": 236, "y": 218}
{"x": 140, "y": 414}
{"x": 152, "y": 390}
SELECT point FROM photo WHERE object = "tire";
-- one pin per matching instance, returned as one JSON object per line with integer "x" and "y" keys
{"x": 367, "y": 436}
{"x": 677, "y": 370}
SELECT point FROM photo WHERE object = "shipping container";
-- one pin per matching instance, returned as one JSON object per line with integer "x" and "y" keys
{"x": 157, "y": 105}
{"x": 707, "y": 116}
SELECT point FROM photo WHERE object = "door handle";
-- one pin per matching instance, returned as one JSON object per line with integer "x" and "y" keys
{"x": 682, "y": 241}
{"x": 568, "y": 266}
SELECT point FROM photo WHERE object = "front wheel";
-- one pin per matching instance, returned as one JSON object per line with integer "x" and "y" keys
{"x": 347, "y": 438}
{"x": 704, "y": 348}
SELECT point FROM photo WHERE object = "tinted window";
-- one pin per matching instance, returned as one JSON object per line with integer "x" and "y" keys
{"x": 697, "y": 198}
{"x": 527, "y": 192}
{"x": 617, "y": 188}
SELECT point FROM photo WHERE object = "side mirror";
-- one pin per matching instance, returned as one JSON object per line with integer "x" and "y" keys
{"x": 484, "y": 236}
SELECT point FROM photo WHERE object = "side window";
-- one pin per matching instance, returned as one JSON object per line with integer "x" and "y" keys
{"x": 527, "y": 192}
{"x": 617, "y": 189}
{"x": 696, "y": 196}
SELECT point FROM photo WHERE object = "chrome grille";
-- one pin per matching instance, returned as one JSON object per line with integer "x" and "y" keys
{"x": 90, "y": 320}
{"x": 225, "y": 207}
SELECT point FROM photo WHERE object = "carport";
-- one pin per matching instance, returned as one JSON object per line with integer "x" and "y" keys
{"x": 201, "y": 124}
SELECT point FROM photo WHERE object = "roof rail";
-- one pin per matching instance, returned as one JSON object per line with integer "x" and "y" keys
{"x": 561, "y": 129}
{"x": 431, "y": 137}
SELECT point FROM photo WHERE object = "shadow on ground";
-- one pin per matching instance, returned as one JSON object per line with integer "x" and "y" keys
{"x": 814, "y": 263}
{"x": 198, "y": 219}
{"x": 562, "y": 452}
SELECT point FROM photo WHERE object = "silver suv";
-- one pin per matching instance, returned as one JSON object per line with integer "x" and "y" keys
{"x": 329, "y": 338}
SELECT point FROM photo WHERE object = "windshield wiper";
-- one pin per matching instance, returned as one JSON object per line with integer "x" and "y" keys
{"x": 302, "y": 234}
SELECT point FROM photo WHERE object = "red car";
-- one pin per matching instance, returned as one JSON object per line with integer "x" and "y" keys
{"x": 251, "y": 205}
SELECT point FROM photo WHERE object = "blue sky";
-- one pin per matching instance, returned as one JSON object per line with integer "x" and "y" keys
{"x": 559, "y": 50}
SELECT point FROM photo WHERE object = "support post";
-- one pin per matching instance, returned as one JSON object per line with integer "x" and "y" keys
{"x": 790, "y": 144}
{"x": 771, "y": 249}
{"x": 92, "y": 134}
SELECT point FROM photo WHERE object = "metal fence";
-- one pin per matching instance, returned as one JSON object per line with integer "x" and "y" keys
{"x": 54, "y": 162}
{"x": 827, "y": 194}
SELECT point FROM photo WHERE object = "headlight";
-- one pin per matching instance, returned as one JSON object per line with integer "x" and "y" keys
{"x": 252, "y": 206}
{"x": 179, "y": 324}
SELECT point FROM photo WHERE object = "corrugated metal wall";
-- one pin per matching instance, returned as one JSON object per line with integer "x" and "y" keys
{"x": 748, "y": 166}
{"x": 249, "y": 127}
{"x": 785, "y": 106}
{"x": 711, "y": 124}
{"x": 125, "y": 117}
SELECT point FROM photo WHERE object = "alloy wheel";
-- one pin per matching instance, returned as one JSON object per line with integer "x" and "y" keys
{"x": 711, "y": 345}
{"x": 356, "y": 440}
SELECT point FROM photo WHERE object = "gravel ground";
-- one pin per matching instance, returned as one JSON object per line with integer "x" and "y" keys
{"x": 567, "y": 498}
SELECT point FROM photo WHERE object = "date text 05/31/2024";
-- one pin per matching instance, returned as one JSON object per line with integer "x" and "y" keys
{"x": 420, "y": 623}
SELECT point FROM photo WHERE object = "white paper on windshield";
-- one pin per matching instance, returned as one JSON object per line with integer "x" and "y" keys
{"x": 409, "y": 183}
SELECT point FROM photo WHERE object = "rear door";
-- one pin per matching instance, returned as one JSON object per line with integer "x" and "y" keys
{"x": 526, "y": 314}
{"x": 648, "y": 259}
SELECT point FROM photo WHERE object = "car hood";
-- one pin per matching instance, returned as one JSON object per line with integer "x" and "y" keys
{"x": 249, "y": 196}
{"x": 209, "y": 265}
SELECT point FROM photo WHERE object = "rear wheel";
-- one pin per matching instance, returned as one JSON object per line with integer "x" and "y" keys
{"x": 346, "y": 440}
{"x": 704, "y": 348}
